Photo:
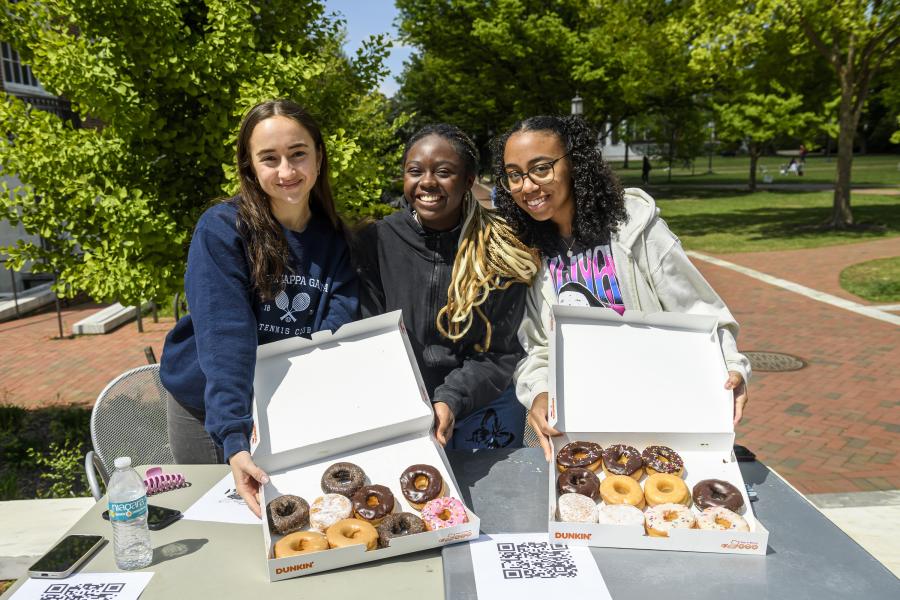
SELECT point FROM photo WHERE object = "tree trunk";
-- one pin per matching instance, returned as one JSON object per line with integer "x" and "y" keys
{"x": 754, "y": 157}
{"x": 625, "y": 166}
{"x": 841, "y": 217}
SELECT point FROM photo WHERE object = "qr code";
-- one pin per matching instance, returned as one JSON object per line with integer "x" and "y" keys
{"x": 83, "y": 591}
{"x": 536, "y": 559}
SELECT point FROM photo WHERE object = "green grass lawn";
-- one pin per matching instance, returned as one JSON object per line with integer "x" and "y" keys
{"x": 874, "y": 280}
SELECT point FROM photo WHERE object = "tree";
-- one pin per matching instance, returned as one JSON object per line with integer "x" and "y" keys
{"x": 167, "y": 82}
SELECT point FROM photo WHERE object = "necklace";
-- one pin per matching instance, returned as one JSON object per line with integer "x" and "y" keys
{"x": 568, "y": 245}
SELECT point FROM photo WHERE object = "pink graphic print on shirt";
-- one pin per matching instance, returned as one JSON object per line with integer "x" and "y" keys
{"x": 589, "y": 279}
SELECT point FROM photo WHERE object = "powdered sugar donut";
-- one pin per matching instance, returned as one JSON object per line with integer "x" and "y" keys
{"x": 329, "y": 509}
{"x": 722, "y": 519}
{"x": 443, "y": 512}
{"x": 620, "y": 514}
{"x": 576, "y": 508}
{"x": 662, "y": 518}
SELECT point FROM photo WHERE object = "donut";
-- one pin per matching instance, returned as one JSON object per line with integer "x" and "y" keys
{"x": 715, "y": 492}
{"x": 585, "y": 455}
{"x": 444, "y": 512}
{"x": 421, "y": 483}
{"x": 300, "y": 542}
{"x": 621, "y": 489}
{"x": 343, "y": 478}
{"x": 329, "y": 509}
{"x": 372, "y": 503}
{"x": 662, "y": 459}
{"x": 287, "y": 514}
{"x": 623, "y": 460}
{"x": 575, "y": 508}
{"x": 348, "y": 532}
{"x": 398, "y": 525}
{"x": 722, "y": 519}
{"x": 576, "y": 480}
{"x": 662, "y": 488}
{"x": 662, "y": 518}
{"x": 620, "y": 514}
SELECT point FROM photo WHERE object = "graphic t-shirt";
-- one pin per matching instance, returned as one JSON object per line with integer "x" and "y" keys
{"x": 586, "y": 278}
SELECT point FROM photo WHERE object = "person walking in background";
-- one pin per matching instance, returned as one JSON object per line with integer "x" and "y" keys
{"x": 645, "y": 170}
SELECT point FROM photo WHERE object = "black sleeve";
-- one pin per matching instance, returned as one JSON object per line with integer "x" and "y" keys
{"x": 364, "y": 250}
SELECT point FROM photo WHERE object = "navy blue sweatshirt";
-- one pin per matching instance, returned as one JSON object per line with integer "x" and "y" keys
{"x": 209, "y": 356}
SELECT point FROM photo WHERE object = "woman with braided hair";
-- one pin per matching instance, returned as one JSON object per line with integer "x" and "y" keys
{"x": 459, "y": 275}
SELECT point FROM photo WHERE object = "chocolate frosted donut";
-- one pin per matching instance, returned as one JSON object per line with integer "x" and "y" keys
{"x": 373, "y": 502}
{"x": 662, "y": 459}
{"x": 343, "y": 478}
{"x": 622, "y": 460}
{"x": 578, "y": 454}
{"x": 715, "y": 492}
{"x": 398, "y": 525}
{"x": 578, "y": 481}
{"x": 287, "y": 514}
{"x": 421, "y": 483}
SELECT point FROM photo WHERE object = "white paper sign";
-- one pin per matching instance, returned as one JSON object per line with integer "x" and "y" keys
{"x": 222, "y": 504}
{"x": 526, "y": 566}
{"x": 85, "y": 586}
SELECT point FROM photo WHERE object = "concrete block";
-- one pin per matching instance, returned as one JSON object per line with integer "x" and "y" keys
{"x": 28, "y": 300}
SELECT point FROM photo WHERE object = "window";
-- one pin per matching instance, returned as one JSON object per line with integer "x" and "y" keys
{"x": 16, "y": 76}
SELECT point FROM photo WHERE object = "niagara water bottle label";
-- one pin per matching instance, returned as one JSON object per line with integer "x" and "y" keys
{"x": 126, "y": 511}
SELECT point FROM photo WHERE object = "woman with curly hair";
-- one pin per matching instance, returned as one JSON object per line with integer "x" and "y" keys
{"x": 460, "y": 276}
{"x": 601, "y": 246}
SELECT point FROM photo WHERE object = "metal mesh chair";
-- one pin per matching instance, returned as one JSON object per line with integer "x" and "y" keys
{"x": 530, "y": 436}
{"x": 129, "y": 419}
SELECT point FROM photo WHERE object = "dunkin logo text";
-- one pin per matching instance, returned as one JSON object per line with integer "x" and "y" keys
{"x": 455, "y": 537}
{"x": 739, "y": 545}
{"x": 566, "y": 535}
{"x": 292, "y": 568}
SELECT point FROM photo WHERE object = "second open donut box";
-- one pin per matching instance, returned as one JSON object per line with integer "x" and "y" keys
{"x": 646, "y": 379}
{"x": 352, "y": 396}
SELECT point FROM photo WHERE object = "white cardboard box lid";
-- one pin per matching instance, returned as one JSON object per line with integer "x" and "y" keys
{"x": 357, "y": 386}
{"x": 638, "y": 372}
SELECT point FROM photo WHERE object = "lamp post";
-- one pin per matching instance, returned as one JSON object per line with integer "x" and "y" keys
{"x": 712, "y": 141}
{"x": 577, "y": 105}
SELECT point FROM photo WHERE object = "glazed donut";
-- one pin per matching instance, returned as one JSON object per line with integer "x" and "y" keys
{"x": 421, "y": 483}
{"x": 662, "y": 459}
{"x": 715, "y": 492}
{"x": 329, "y": 509}
{"x": 575, "y": 508}
{"x": 343, "y": 478}
{"x": 623, "y": 460}
{"x": 662, "y": 488}
{"x": 620, "y": 514}
{"x": 287, "y": 514}
{"x": 662, "y": 518}
{"x": 348, "y": 532}
{"x": 576, "y": 480}
{"x": 372, "y": 503}
{"x": 584, "y": 455}
{"x": 621, "y": 489}
{"x": 441, "y": 513}
{"x": 722, "y": 519}
{"x": 300, "y": 542}
{"x": 398, "y": 525}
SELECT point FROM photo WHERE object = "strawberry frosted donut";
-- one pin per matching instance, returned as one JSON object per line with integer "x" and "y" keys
{"x": 722, "y": 519}
{"x": 662, "y": 518}
{"x": 444, "y": 512}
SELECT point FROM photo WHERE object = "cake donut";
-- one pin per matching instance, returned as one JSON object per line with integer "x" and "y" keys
{"x": 441, "y": 513}
{"x": 715, "y": 492}
{"x": 662, "y": 488}
{"x": 348, "y": 532}
{"x": 372, "y": 503}
{"x": 576, "y": 480}
{"x": 584, "y": 455}
{"x": 329, "y": 509}
{"x": 421, "y": 483}
{"x": 661, "y": 519}
{"x": 722, "y": 519}
{"x": 300, "y": 542}
{"x": 620, "y": 514}
{"x": 662, "y": 459}
{"x": 623, "y": 460}
{"x": 287, "y": 514}
{"x": 621, "y": 489}
{"x": 398, "y": 525}
{"x": 343, "y": 478}
{"x": 575, "y": 508}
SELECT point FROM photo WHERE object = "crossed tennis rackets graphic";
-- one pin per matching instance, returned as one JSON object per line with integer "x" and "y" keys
{"x": 299, "y": 303}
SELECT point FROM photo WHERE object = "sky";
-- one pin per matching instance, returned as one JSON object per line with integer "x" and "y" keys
{"x": 368, "y": 17}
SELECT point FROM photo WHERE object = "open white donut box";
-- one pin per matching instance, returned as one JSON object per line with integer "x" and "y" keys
{"x": 646, "y": 379}
{"x": 355, "y": 395}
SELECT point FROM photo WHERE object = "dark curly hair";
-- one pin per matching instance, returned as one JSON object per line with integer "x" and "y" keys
{"x": 599, "y": 199}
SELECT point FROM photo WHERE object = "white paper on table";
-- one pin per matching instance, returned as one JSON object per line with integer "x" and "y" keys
{"x": 222, "y": 504}
{"x": 109, "y": 586}
{"x": 527, "y": 566}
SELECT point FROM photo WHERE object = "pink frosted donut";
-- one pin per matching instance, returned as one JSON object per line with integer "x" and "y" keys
{"x": 444, "y": 512}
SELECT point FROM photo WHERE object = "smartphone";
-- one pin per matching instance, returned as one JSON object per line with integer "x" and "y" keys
{"x": 66, "y": 556}
{"x": 157, "y": 517}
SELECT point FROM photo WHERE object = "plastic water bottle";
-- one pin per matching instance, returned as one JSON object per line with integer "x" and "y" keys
{"x": 128, "y": 515}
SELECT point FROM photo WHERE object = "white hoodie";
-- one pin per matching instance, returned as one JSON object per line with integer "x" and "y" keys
{"x": 655, "y": 275}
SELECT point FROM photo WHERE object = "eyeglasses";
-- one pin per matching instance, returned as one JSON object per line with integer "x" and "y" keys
{"x": 512, "y": 181}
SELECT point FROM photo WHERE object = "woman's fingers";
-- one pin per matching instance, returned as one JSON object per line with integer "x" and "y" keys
{"x": 739, "y": 387}
{"x": 247, "y": 479}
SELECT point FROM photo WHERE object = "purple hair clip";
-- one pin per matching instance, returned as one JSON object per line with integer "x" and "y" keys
{"x": 157, "y": 482}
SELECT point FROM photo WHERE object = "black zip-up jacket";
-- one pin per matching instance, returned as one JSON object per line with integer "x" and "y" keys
{"x": 401, "y": 265}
